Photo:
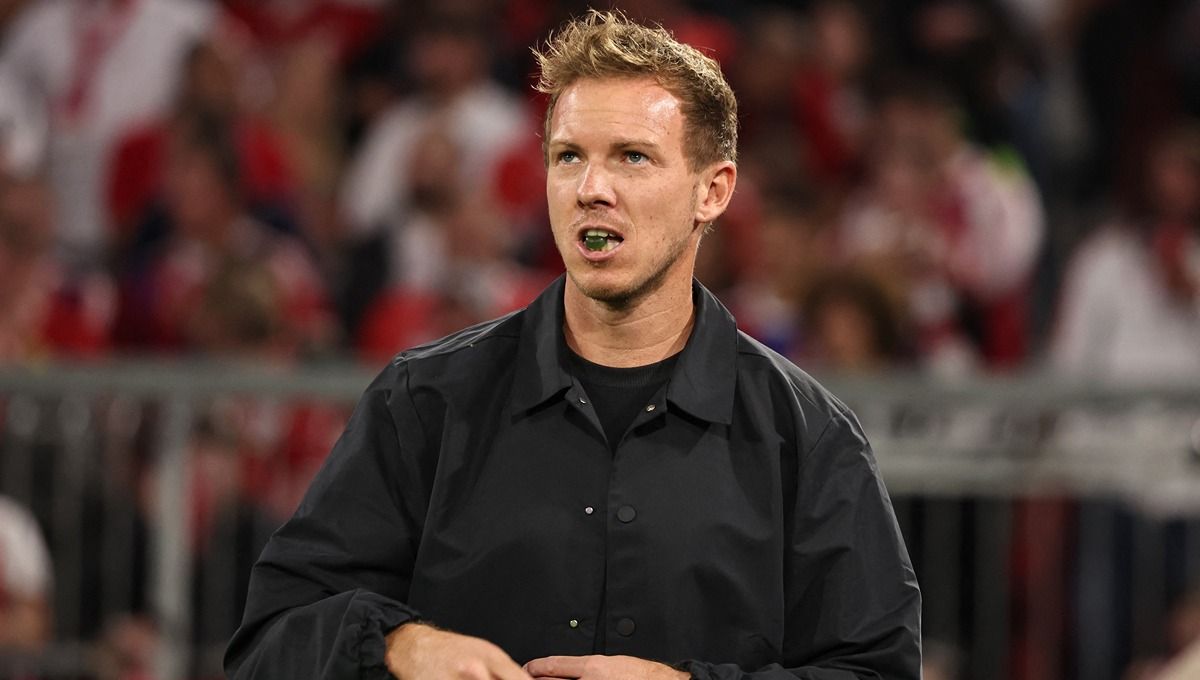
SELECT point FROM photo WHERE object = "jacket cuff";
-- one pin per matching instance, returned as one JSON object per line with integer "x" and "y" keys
{"x": 374, "y": 617}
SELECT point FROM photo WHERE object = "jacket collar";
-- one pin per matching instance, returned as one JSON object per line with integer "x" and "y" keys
{"x": 702, "y": 383}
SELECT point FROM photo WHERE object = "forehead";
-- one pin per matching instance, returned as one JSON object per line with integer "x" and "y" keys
{"x": 630, "y": 108}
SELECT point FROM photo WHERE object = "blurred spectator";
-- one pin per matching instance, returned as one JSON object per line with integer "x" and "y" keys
{"x": 771, "y": 147}
{"x": 260, "y": 450}
{"x": 1129, "y": 65}
{"x": 25, "y": 581}
{"x": 127, "y": 649}
{"x": 303, "y": 113}
{"x": 448, "y": 258}
{"x": 217, "y": 75}
{"x": 45, "y": 310}
{"x": 210, "y": 233}
{"x": 347, "y": 25}
{"x": 1182, "y": 649}
{"x": 975, "y": 49}
{"x": 791, "y": 248}
{"x": 449, "y": 62}
{"x": 228, "y": 527}
{"x": 940, "y": 661}
{"x": 1131, "y": 304}
{"x": 1183, "y": 623}
{"x": 852, "y": 326}
{"x": 239, "y": 313}
{"x": 97, "y": 68}
{"x": 1186, "y": 667}
{"x": 830, "y": 92}
{"x": 23, "y": 132}
{"x": 953, "y": 230}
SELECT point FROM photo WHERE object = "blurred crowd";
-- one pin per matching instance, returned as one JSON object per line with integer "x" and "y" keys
{"x": 946, "y": 186}
{"x": 938, "y": 185}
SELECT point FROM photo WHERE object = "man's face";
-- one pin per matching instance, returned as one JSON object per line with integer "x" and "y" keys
{"x": 622, "y": 200}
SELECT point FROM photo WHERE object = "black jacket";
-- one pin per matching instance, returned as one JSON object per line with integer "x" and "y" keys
{"x": 741, "y": 524}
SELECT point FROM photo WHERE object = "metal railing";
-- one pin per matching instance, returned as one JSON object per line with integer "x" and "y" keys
{"x": 1040, "y": 514}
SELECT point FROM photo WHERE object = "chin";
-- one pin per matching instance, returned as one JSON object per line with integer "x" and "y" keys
{"x": 614, "y": 292}
{"x": 612, "y": 295}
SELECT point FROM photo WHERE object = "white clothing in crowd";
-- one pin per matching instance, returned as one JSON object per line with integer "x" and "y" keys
{"x": 25, "y": 572}
{"x": 484, "y": 122}
{"x": 1118, "y": 320}
{"x": 97, "y": 68}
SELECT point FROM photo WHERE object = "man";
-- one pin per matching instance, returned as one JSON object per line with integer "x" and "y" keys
{"x": 613, "y": 482}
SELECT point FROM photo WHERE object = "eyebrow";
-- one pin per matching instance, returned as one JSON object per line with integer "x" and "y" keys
{"x": 618, "y": 144}
{"x": 626, "y": 143}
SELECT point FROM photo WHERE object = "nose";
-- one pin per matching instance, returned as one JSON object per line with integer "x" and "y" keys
{"x": 595, "y": 188}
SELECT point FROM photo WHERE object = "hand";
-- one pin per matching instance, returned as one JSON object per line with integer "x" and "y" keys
{"x": 416, "y": 651}
{"x": 602, "y": 668}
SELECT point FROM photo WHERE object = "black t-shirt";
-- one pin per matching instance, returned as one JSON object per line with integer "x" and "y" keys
{"x": 619, "y": 394}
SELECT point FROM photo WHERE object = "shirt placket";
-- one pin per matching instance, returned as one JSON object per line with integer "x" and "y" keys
{"x": 629, "y": 530}
{"x": 588, "y": 622}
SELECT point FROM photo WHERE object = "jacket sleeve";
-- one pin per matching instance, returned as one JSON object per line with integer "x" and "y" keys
{"x": 853, "y": 609}
{"x": 333, "y": 581}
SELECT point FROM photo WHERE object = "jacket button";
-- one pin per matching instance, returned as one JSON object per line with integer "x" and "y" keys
{"x": 626, "y": 514}
{"x": 625, "y": 627}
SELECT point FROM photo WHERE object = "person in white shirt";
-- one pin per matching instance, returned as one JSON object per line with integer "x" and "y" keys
{"x": 1130, "y": 307}
{"x": 25, "y": 580}
{"x": 96, "y": 68}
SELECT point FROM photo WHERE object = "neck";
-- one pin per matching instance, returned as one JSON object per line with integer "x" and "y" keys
{"x": 641, "y": 333}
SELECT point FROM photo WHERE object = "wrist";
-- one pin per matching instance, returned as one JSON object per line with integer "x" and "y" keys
{"x": 400, "y": 645}
{"x": 683, "y": 670}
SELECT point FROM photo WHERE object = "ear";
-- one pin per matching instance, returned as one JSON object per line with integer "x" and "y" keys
{"x": 718, "y": 181}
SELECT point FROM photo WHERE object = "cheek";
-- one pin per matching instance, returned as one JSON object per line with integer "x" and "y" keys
{"x": 561, "y": 193}
{"x": 664, "y": 203}
{"x": 558, "y": 205}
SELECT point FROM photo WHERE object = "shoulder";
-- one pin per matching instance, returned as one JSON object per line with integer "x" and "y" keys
{"x": 1111, "y": 253}
{"x": 1113, "y": 241}
{"x": 472, "y": 355}
{"x": 791, "y": 389}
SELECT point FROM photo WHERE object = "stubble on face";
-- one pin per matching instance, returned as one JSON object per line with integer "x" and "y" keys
{"x": 618, "y": 299}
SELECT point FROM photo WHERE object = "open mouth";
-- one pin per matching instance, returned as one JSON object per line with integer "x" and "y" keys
{"x": 600, "y": 240}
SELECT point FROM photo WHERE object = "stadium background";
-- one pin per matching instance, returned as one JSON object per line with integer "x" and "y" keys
{"x": 979, "y": 220}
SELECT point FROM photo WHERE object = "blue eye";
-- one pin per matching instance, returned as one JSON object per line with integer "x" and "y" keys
{"x": 567, "y": 157}
{"x": 635, "y": 157}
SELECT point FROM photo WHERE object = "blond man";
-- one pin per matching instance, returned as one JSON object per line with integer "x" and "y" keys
{"x": 613, "y": 482}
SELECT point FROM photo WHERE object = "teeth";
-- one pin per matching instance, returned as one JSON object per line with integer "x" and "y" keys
{"x": 600, "y": 240}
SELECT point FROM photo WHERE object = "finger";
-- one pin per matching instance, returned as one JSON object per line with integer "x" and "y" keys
{"x": 557, "y": 667}
{"x": 507, "y": 669}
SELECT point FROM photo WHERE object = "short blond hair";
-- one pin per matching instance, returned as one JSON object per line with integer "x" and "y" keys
{"x": 609, "y": 45}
